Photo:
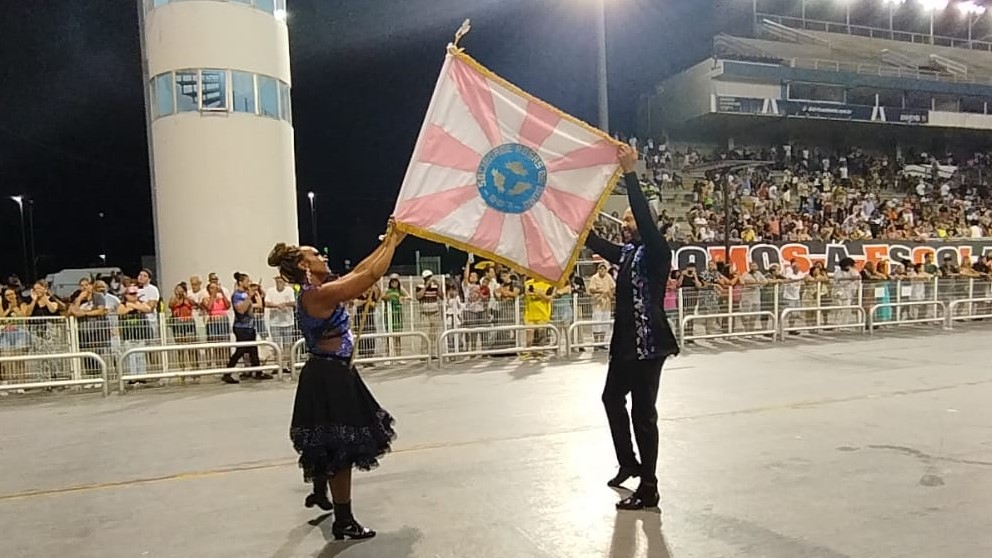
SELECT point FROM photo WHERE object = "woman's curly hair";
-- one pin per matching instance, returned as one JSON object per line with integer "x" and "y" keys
{"x": 287, "y": 259}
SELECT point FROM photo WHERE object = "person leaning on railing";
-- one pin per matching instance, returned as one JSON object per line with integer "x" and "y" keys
{"x": 89, "y": 307}
{"x": 602, "y": 287}
{"x": 132, "y": 319}
{"x": 395, "y": 295}
{"x": 182, "y": 325}
{"x": 429, "y": 298}
{"x": 14, "y": 338}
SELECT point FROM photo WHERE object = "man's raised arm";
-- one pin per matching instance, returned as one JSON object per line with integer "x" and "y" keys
{"x": 652, "y": 237}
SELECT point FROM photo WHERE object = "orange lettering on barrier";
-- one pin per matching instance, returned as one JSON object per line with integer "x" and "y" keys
{"x": 875, "y": 253}
{"x": 739, "y": 257}
{"x": 964, "y": 252}
{"x": 798, "y": 252}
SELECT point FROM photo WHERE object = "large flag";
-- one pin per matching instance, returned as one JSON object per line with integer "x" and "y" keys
{"x": 500, "y": 173}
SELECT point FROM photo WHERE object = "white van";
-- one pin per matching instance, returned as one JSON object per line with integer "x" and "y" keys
{"x": 65, "y": 282}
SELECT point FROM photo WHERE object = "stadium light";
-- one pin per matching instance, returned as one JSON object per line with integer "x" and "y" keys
{"x": 604, "y": 96}
{"x": 971, "y": 8}
{"x": 973, "y": 12}
{"x": 19, "y": 200}
{"x": 892, "y": 4}
{"x": 933, "y": 6}
{"x": 313, "y": 218}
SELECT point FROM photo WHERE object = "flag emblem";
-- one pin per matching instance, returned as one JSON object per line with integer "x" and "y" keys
{"x": 511, "y": 178}
{"x": 504, "y": 175}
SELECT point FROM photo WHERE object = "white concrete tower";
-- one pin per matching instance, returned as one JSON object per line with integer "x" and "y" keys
{"x": 220, "y": 135}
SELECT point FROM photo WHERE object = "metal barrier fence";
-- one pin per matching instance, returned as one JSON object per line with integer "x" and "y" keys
{"x": 785, "y": 327}
{"x": 298, "y": 354}
{"x": 601, "y": 330}
{"x": 954, "y": 316}
{"x": 450, "y": 341}
{"x": 756, "y": 317}
{"x": 400, "y": 328}
{"x": 938, "y": 317}
{"x": 41, "y": 337}
{"x": 136, "y": 358}
{"x": 101, "y": 380}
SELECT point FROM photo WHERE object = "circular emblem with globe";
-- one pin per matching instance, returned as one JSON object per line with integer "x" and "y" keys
{"x": 511, "y": 178}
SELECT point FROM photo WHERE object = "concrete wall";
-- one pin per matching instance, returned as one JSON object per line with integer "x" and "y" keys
{"x": 683, "y": 97}
{"x": 751, "y": 90}
{"x": 224, "y": 183}
{"x": 961, "y": 120}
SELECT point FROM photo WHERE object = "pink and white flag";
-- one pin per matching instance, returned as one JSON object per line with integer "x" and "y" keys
{"x": 502, "y": 174}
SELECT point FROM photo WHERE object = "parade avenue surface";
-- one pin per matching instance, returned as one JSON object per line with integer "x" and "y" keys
{"x": 847, "y": 446}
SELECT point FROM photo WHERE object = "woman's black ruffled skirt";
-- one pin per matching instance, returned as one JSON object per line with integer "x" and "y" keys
{"x": 337, "y": 423}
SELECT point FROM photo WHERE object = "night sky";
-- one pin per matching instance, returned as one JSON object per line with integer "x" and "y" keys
{"x": 72, "y": 127}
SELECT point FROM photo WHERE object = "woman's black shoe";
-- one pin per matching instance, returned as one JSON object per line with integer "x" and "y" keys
{"x": 263, "y": 376}
{"x": 622, "y": 477}
{"x": 351, "y": 530}
{"x": 643, "y": 498}
{"x": 319, "y": 500}
{"x": 229, "y": 379}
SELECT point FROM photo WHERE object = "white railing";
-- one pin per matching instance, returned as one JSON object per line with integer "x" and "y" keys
{"x": 409, "y": 334}
{"x": 395, "y": 357}
{"x": 784, "y": 326}
{"x": 952, "y": 315}
{"x": 896, "y": 58}
{"x": 899, "y": 317}
{"x": 446, "y": 352}
{"x": 791, "y": 34}
{"x": 573, "y": 343}
{"x": 874, "y": 32}
{"x": 298, "y": 356}
{"x": 101, "y": 381}
{"x": 747, "y": 332}
{"x": 951, "y": 66}
{"x": 130, "y": 354}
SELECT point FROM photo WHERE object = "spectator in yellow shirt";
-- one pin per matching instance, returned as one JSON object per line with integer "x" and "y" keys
{"x": 749, "y": 236}
{"x": 537, "y": 309}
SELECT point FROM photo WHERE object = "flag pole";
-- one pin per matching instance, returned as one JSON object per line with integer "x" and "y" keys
{"x": 610, "y": 217}
{"x": 462, "y": 31}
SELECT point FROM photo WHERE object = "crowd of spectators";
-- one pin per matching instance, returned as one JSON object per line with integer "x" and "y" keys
{"x": 797, "y": 193}
{"x": 116, "y": 313}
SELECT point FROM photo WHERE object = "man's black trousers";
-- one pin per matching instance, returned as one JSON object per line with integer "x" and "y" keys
{"x": 641, "y": 379}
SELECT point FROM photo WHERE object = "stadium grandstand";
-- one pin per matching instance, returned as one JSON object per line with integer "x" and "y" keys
{"x": 888, "y": 129}
{"x": 856, "y": 87}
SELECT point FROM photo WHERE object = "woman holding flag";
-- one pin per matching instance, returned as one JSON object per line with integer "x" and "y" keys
{"x": 337, "y": 424}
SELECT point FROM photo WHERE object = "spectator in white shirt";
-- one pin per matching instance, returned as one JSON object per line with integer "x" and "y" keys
{"x": 198, "y": 294}
{"x": 791, "y": 290}
{"x": 281, "y": 303}
{"x": 148, "y": 295}
{"x": 453, "y": 308}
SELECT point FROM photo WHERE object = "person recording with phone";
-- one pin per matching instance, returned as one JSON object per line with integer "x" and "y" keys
{"x": 642, "y": 338}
